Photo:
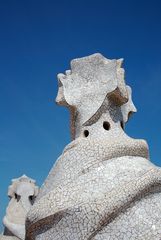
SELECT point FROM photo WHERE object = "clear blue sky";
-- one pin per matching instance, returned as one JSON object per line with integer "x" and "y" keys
{"x": 37, "y": 40}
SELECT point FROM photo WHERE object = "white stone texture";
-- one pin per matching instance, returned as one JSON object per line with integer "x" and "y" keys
{"x": 22, "y": 193}
{"x": 103, "y": 186}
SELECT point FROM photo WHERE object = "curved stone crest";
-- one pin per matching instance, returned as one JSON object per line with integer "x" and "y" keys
{"x": 90, "y": 81}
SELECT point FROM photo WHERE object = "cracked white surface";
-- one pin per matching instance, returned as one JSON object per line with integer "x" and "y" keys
{"x": 103, "y": 186}
{"x": 22, "y": 193}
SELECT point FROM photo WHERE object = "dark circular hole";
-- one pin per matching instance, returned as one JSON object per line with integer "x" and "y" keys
{"x": 106, "y": 126}
{"x": 31, "y": 198}
{"x": 86, "y": 133}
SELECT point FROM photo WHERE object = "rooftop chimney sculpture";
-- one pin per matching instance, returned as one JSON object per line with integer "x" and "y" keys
{"x": 22, "y": 193}
{"x": 103, "y": 186}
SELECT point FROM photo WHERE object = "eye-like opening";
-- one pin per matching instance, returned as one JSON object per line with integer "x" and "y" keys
{"x": 17, "y": 197}
{"x": 31, "y": 198}
{"x": 106, "y": 125}
{"x": 86, "y": 133}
